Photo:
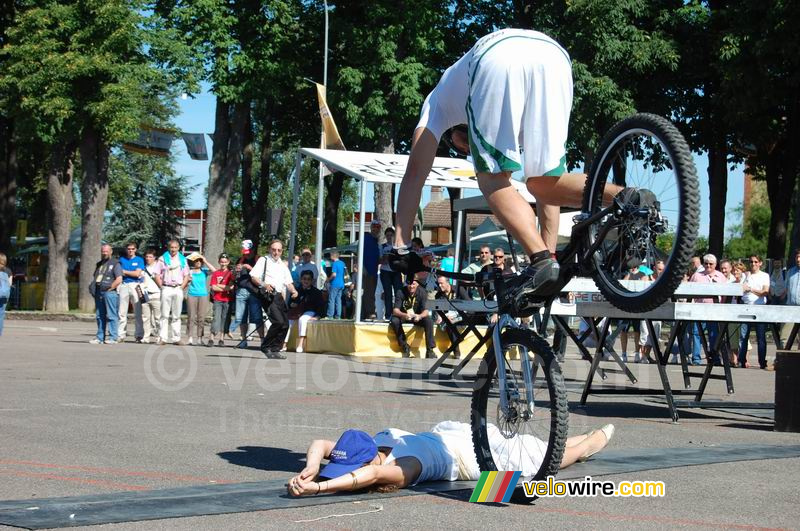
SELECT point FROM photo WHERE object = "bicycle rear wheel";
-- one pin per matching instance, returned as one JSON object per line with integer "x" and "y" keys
{"x": 523, "y": 438}
{"x": 643, "y": 151}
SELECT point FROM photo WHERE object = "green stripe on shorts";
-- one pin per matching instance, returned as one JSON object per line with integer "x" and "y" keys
{"x": 559, "y": 170}
{"x": 505, "y": 163}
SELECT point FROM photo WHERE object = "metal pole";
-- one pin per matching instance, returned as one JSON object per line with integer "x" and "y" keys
{"x": 459, "y": 230}
{"x": 298, "y": 165}
{"x": 320, "y": 215}
{"x": 321, "y": 178}
{"x": 360, "y": 278}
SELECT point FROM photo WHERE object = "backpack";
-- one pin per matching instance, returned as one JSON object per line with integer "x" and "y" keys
{"x": 5, "y": 285}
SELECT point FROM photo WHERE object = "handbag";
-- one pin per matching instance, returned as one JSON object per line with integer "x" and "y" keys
{"x": 142, "y": 294}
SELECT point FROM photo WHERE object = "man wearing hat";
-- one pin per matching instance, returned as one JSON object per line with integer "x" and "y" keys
{"x": 307, "y": 264}
{"x": 370, "y": 278}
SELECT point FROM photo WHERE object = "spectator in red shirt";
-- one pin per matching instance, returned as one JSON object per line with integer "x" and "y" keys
{"x": 222, "y": 295}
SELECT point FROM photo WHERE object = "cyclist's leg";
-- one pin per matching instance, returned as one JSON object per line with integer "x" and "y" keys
{"x": 514, "y": 213}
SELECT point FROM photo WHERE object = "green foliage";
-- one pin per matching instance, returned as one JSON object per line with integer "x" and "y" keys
{"x": 105, "y": 63}
{"x": 387, "y": 56}
{"x": 749, "y": 237}
{"x": 143, "y": 192}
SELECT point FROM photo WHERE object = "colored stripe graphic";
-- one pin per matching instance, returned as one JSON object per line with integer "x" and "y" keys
{"x": 477, "y": 492}
{"x": 487, "y": 487}
{"x": 495, "y": 487}
{"x": 512, "y": 484}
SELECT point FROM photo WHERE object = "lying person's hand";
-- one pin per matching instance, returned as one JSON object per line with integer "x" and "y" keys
{"x": 298, "y": 487}
{"x": 308, "y": 473}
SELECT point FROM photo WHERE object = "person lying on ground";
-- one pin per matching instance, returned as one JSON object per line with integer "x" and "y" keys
{"x": 395, "y": 459}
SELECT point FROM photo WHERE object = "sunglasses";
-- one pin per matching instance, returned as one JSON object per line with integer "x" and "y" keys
{"x": 498, "y": 257}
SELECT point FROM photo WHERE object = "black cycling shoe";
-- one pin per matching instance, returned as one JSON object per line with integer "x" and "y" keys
{"x": 536, "y": 283}
{"x": 404, "y": 260}
{"x": 637, "y": 199}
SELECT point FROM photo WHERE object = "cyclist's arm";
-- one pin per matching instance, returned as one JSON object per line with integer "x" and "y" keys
{"x": 423, "y": 151}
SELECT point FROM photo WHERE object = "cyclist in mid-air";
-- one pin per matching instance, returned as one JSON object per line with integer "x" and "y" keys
{"x": 513, "y": 90}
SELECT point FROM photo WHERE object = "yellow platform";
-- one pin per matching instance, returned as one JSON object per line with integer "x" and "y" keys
{"x": 371, "y": 339}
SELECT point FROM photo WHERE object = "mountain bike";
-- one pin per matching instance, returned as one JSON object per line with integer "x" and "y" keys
{"x": 519, "y": 403}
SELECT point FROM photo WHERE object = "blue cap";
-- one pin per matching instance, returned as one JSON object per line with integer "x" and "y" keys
{"x": 353, "y": 450}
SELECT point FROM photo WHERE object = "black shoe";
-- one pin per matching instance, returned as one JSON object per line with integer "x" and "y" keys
{"x": 536, "y": 282}
{"x": 406, "y": 351}
{"x": 275, "y": 355}
{"x": 404, "y": 260}
{"x": 456, "y": 354}
{"x": 430, "y": 354}
{"x": 637, "y": 198}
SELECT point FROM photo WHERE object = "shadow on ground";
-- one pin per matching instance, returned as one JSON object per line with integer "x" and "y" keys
{"x": 265, "y": 458}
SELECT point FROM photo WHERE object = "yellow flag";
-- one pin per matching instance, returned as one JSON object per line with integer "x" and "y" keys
{"x": 330, "y": 135}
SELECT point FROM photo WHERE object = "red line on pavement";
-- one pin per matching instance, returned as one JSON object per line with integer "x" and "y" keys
{"x": 653, "y": 518}
{"x": 113, "y": 484}
{"x": 119, "y": 472}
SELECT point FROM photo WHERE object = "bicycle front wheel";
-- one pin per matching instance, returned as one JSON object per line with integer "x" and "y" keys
{"x": 525, "y": 437}
{"x": 643, "y": 151}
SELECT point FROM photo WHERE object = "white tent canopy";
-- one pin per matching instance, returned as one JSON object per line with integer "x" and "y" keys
{"x": 377, "y": 168}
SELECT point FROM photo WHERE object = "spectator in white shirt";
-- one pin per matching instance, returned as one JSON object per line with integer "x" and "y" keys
{"x": 756, "y": 289}
{"x": 273, "y": 278}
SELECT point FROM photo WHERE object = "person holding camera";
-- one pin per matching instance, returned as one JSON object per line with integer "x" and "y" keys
{"x": 272, "y": 277}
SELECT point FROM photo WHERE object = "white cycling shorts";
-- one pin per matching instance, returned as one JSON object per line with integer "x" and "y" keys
{"x": 519, "y": 102}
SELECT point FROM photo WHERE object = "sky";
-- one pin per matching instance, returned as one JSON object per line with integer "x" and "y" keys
{"x": 197, "y": 116}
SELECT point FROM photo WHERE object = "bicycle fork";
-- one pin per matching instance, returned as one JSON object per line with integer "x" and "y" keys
{"x": 506, "y": 321}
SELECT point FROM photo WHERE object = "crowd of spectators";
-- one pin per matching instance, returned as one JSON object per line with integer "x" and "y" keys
{"x": 782, "y": 286}
{"x": 266, "y": 297}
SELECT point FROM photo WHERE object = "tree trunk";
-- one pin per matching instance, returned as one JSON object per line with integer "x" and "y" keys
{"x": 59, "y": 212}
{"x": 783, "y": 164}
{"x": 225, "y": 161}
{"x": 795, "y": 241}
{"x": 718, "y": 192}
{"x": 8, "y": 185}
{"x": 779, "y": 184}
{"x": 94, "y": 198}
{"x": 333, "y": 196}
{"x": 253, "y": 208}
{"x": 247, "y": 182}
{"x": 384, "y": 197}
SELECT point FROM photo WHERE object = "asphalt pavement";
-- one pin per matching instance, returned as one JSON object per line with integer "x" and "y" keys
{"x": 79, "y": 419}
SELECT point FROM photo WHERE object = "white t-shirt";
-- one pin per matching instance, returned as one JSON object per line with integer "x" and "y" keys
{"x": 445, "y": 106}
{"x": 277, "y": 273}
{"x": 760, "y": 282}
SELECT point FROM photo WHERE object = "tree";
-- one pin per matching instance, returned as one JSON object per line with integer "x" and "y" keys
{"x": 760, "y": 57}
{"x": 249, "y": 51}
{"x": 144, "y": 193}
{"x": 8, "y": 148}
{"x": 387, "y": 56}
{"x": 85, "y": 74}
